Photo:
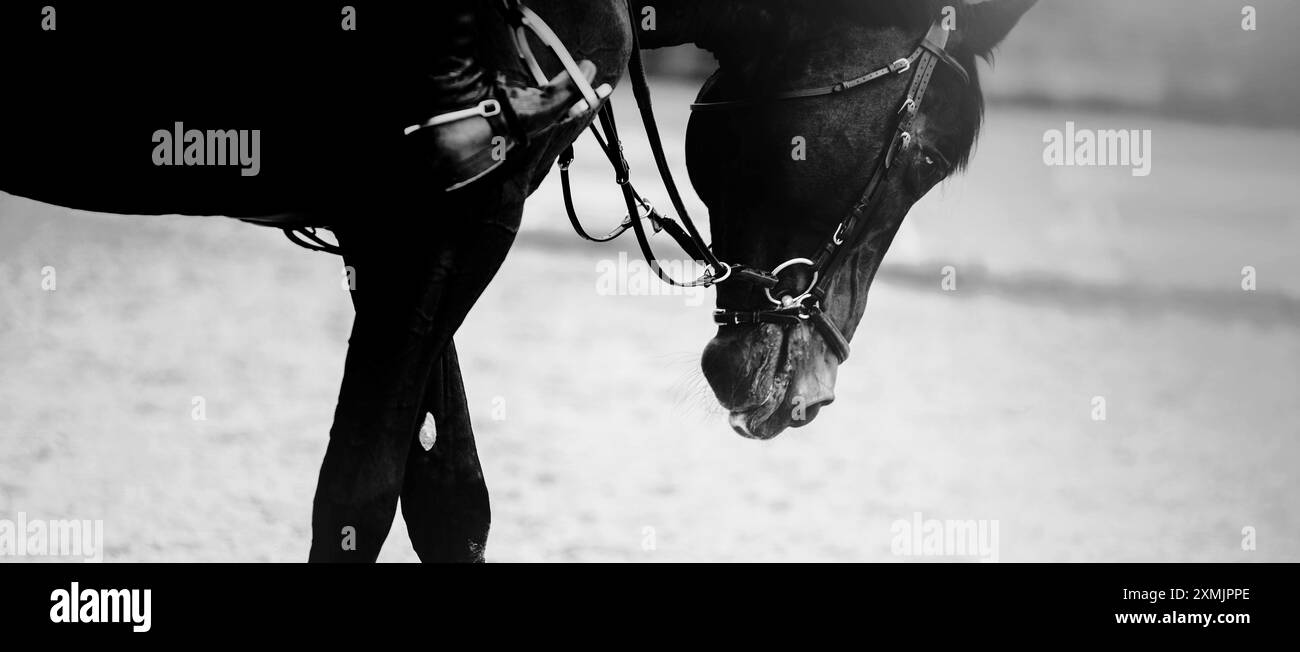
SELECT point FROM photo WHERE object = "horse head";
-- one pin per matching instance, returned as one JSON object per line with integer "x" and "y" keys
{"x": 779, "y": 177}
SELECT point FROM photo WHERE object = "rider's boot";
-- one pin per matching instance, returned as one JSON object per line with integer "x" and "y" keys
{"x": 473, "y": 118}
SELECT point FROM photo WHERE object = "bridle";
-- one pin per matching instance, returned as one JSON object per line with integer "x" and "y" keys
{"x": 790, "y": 307}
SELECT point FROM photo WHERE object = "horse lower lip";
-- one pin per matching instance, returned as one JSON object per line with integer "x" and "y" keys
{"x": 740, "y": 422}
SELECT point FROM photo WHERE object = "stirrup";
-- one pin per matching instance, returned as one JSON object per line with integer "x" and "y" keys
{"x": 469, "y": 160}
{"x": 486, "y": 109}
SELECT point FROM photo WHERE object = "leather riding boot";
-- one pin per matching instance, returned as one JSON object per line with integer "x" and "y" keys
{"x": 473, "y": 119}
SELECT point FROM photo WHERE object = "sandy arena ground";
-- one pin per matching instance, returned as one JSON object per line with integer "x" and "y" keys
{"x": 974, "y": 404}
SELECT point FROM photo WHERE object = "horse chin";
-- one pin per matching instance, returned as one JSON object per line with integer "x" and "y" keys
{"x": 769, "y": 379}
{"x": 754, "y": 425}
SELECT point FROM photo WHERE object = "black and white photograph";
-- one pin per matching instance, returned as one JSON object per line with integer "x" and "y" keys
{"x": 886, "y": 282}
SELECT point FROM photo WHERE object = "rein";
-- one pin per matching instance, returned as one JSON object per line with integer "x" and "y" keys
{"x": 789, "y": 308}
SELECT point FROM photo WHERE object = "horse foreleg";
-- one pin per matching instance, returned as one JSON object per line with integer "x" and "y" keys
{"x": 393, "y": 347}
{"x": 412, "y": 293}
{"x": 444, "y": 497}
{"x": 361, "y": 477}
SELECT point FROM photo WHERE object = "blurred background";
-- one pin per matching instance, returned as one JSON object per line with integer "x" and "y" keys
{"x": 600, "y": 440}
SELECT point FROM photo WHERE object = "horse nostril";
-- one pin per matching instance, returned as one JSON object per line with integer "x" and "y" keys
{"x": 810, "y": 411}
{"x": 722, "y": 370}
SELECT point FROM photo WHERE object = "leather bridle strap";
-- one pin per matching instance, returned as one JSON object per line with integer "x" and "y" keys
{"x": 640, "y": 209}
{"x": 647, "y": 210}
{"x": 934, "y": 44}
{"x": 849, "y": 231}
{"x": 832, "y": 255}
{"x": 683, "y": 230}
{"x": 896, "y": 68}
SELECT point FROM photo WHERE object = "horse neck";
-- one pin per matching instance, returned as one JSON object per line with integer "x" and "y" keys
{"x": 665, "y": 23}
{"x": 733, "y": 30}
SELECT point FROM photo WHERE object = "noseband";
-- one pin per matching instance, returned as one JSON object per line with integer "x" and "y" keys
{"x": 788, "y": 308}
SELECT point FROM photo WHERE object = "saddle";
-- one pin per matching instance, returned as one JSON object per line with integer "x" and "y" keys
{"x": 334, "y": 115}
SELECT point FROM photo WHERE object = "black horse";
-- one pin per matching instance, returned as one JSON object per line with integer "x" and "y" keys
{"x": 767, "y": 206}
{"x": 420, "y": 260}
